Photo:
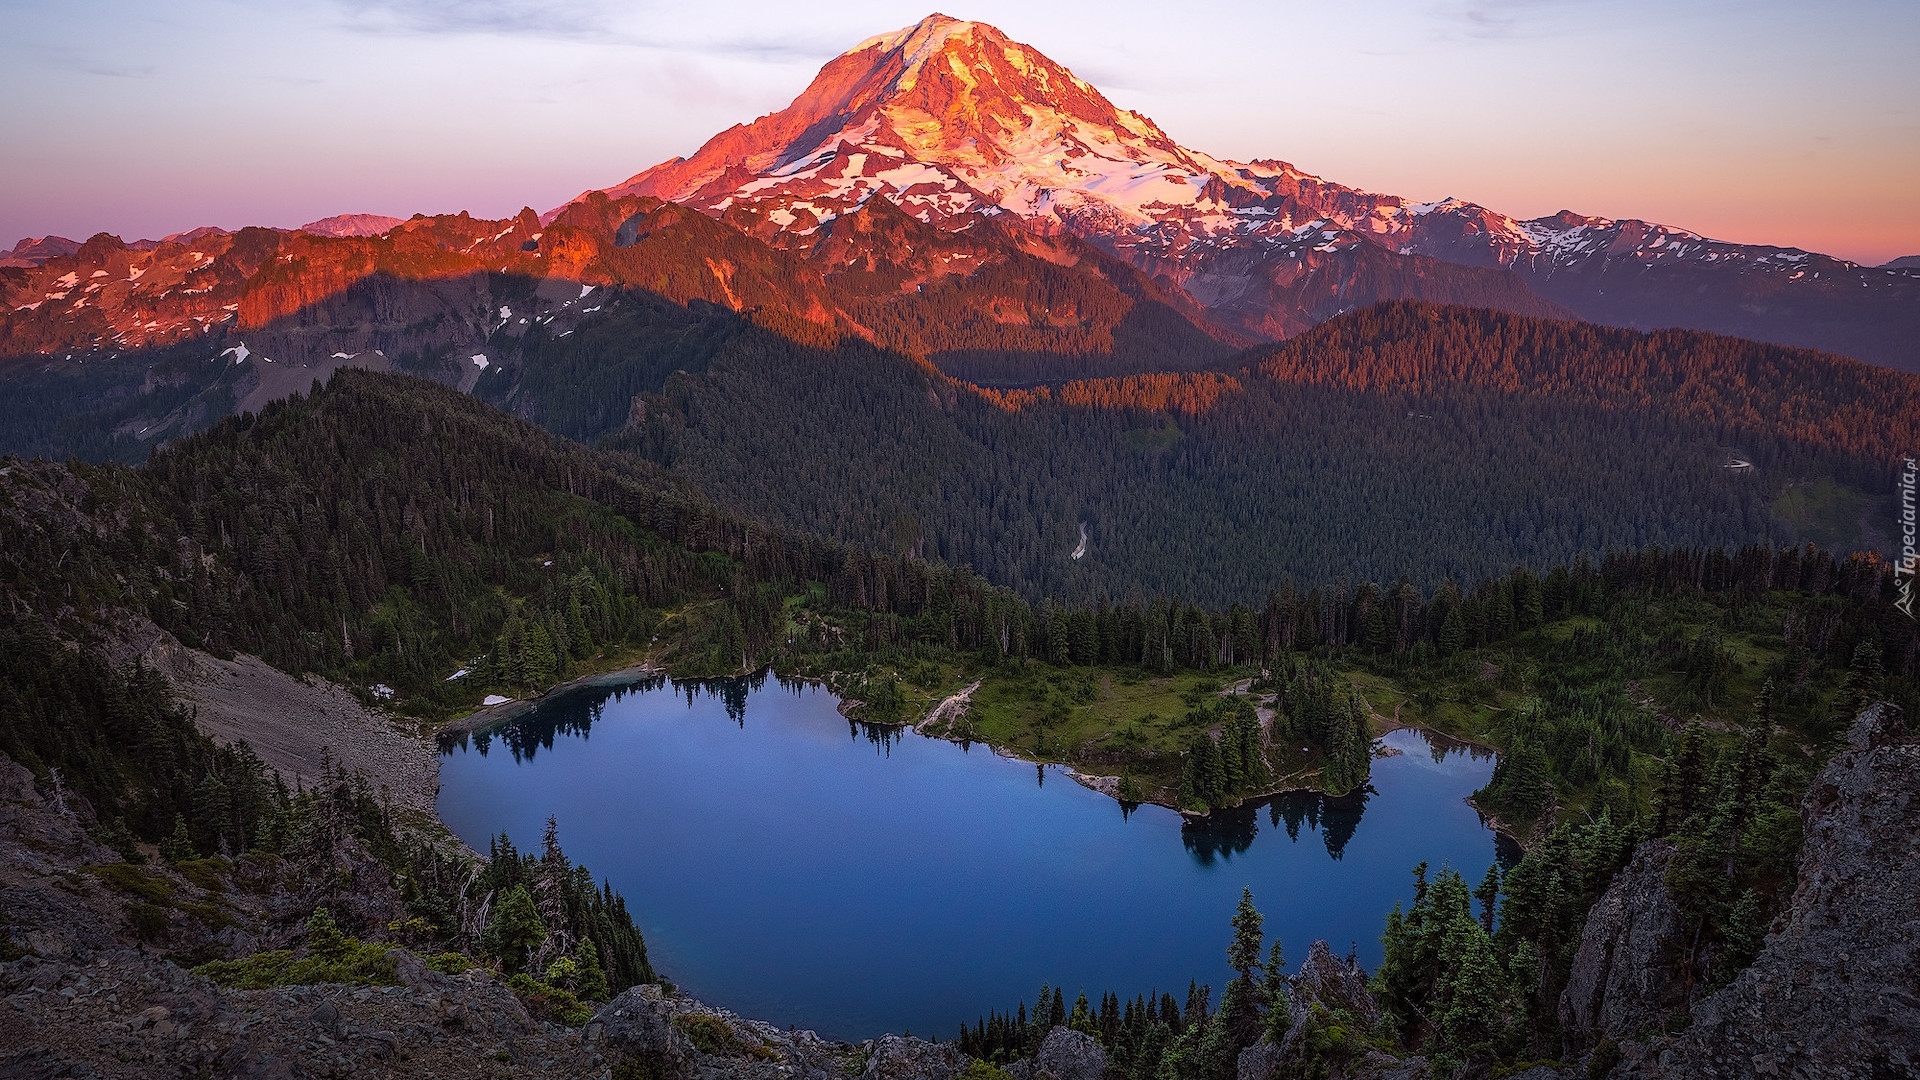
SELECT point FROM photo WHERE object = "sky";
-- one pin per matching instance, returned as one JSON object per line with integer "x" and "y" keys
{"x": 1795, "y": 124}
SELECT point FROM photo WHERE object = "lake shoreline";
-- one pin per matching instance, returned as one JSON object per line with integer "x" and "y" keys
{"x": 493, "y": 716}
{"x": 488, "y": 717}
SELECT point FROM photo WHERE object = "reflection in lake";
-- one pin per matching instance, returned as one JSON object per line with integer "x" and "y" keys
{"x": 1225, "y": 833}
{"x": 793, "y": 866}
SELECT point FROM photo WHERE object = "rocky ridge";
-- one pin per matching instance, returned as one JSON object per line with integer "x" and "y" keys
{"x": 1835, "y": 991}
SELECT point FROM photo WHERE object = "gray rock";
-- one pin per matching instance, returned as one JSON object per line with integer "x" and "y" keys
{"x": 327, "y": 1018}
{"x": 1380, "y": 1066}
{"x": 1622, "y": 981}
{"x": 1066, "y": 1054}
{"x": 1336, "y": 984}
{"x": 896, "y": 1057}
{"x": 638, "y": 1024}
{"x": 1832, "y": 993}
{"x": 1261, "y": 1061}
{"x": 244, "y": 1063}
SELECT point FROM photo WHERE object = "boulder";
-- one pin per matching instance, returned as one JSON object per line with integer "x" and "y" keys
{"x": 1261, "y": 1061}
{"x": 1066, "y": 1054}
{"x": 327, "y": 1018}
{"x": 636, "y": 1023}
{"x": 1622, "y": 980}
{"x": 896, "y": 1057}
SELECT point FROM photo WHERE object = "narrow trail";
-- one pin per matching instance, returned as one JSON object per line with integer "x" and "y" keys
{"x": 950, "y": 709}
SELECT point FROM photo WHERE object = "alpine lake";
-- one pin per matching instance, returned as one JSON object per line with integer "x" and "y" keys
{"x": 797, "y": 867}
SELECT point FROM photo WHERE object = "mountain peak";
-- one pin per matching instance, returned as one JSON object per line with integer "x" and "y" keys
{"x": 947, "y": 117}
{"x": 922, "y": 38}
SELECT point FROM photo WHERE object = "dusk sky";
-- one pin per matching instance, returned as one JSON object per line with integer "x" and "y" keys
{"x": 1762, "y": 122}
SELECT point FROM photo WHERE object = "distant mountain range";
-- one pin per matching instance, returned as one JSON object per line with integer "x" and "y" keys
{"x": 952, "y": 121}
{"x": 957, "y": 126}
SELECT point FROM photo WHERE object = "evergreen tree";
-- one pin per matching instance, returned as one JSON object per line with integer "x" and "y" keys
{"x": 1487, "y": 894}
{"x": 515, "y": 928}
{"x": 178, "y": 846}
{"x": 1243, "y": 954}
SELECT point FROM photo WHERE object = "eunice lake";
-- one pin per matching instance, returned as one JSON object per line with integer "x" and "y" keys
{"x": 801, "y": 869}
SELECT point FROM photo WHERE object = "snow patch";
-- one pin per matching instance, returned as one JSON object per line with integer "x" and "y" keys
{"x": 479, "y": 360}
{"x": 494, "y": 699}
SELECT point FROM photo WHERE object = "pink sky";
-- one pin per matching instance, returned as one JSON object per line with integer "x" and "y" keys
{"x": 1760, "y": 121}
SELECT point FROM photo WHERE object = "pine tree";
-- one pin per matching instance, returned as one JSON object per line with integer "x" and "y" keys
{"x": 1472, "y": 991}
{"x": 1243, "y": 954}
{"x": 1274, "y": 990}
{"x": 1487, "y": 892}
{"x": 1081, "y": 1019}
{"x": 541, "y": 665}
{"x": 324, "y": 939}
{"x": 1453, "y": 632}
{"x": 514, "y": 929}
{"x": 178, "y": 847}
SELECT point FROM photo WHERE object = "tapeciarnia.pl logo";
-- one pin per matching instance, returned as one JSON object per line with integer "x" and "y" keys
{"x": 1905, "y": 567}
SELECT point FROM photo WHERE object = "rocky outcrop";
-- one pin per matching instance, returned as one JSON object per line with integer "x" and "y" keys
{"x": 1622, "y": 981}
{"x": 638, "y": 1024}
{"x": 1266, "y": 1061}
{"x": 671, "y": 1036}
{"x": 1835, "y": 991}
{"x": 122, "y": 1012}
{"x": 896, "y": 1057}
{"x": 1334, "y": 985}
{"x": 1066, "y": 1054}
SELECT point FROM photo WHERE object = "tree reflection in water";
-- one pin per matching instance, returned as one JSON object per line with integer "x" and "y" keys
{"x": 1223, "y": 834}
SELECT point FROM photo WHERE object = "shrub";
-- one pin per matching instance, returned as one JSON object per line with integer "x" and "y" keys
{"x": 550, "y": 1002}
{"x": 330, "y": 957}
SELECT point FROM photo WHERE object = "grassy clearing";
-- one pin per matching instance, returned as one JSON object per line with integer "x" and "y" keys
{"x": 1823, "y": 513}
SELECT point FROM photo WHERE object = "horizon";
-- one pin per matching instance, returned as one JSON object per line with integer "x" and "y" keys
{"x": 105, "y": 85}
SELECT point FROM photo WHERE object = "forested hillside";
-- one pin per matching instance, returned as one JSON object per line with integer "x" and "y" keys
{"x": 1443, "y": 443}
{"x": 824, "y": 387}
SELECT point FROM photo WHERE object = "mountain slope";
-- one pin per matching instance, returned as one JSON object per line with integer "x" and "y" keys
{"x": 114, "y": 347}
{"x": 952, "y": 120}
{"x": 1438, "y": 443}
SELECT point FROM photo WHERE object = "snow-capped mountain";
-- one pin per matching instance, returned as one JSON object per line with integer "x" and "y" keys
{"x": 352, "y": 225}
{"x": 949, "y": 118}
{"x": 935, "y": 190}
{"x": 952, "y": 120}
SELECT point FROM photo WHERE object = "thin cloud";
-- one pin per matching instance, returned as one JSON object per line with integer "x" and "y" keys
{"x": 1502, "y": 20}
{"x": 113, "y": 72}
{"x": 595, "y": 21}
{"x": 571, "y": 19}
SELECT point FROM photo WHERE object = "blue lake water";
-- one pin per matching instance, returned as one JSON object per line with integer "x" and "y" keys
{"x": 797, "y": 868}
